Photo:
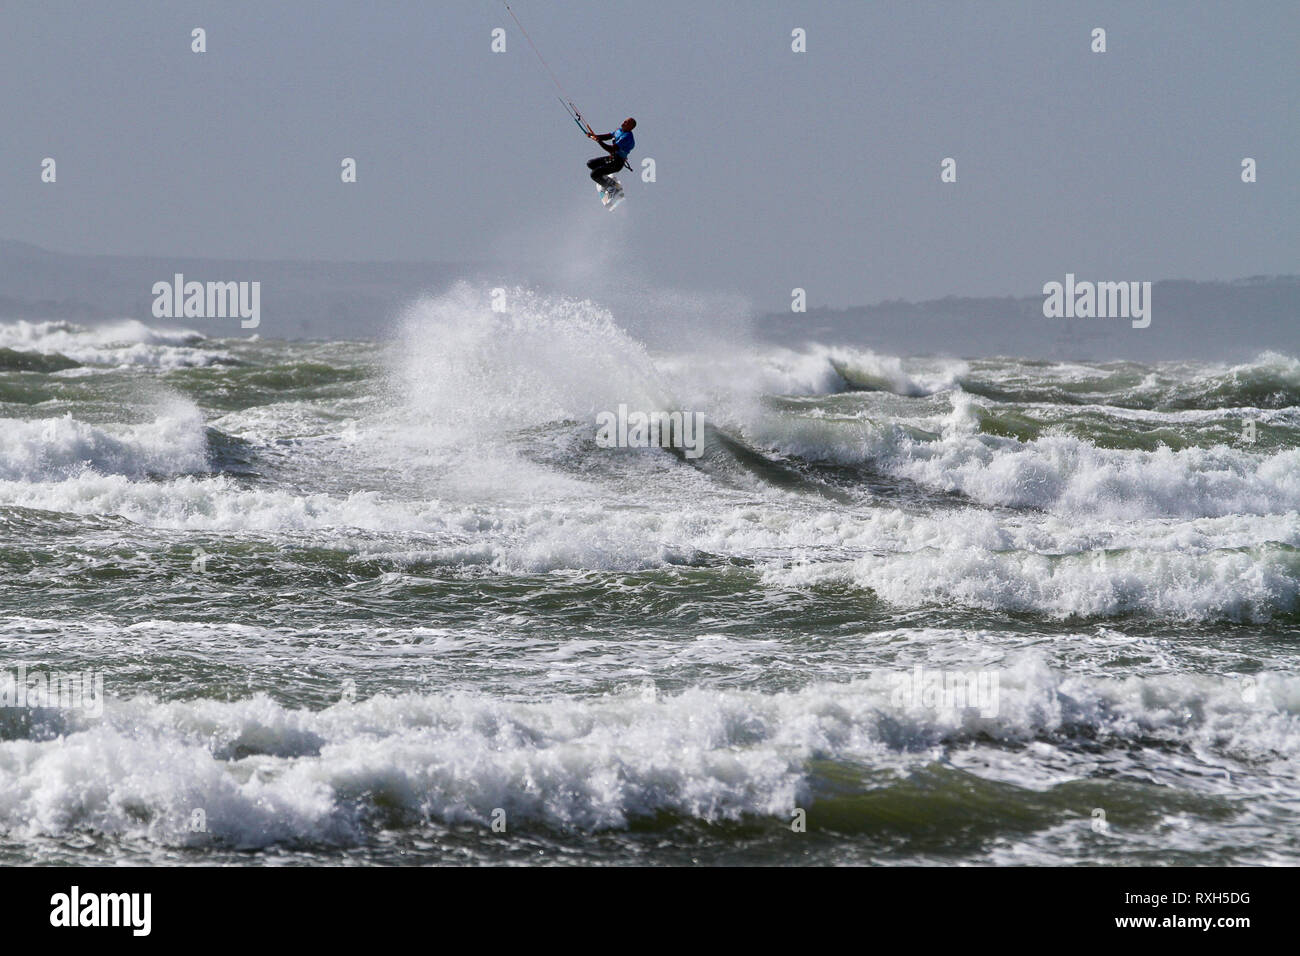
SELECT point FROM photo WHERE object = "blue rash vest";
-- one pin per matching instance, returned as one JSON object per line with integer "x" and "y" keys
{"x": 623, "y": 142}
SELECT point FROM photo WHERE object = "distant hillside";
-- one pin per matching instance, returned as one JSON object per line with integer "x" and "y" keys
{"x": 299, "y": 299}
{"x": 357, "y": 300}
{"x": 1206, "y": 320}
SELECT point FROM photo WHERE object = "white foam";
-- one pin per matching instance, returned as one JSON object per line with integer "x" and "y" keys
{"x": 220, "y": 503}
{"x": 1057, "y": 472}
{"x": 262, "y": 773}
{"x": 121, "y": 343}
{"x": 1247, "y": 585}
{"x": 53, "y": 449}
{"x": 815, "y": 370}
{"x": 1241, "y": 567}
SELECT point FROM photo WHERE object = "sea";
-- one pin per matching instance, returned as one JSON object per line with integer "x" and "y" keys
{"x": 391, "y": 601}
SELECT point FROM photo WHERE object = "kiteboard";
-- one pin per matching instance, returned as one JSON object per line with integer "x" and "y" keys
{"x": 612, "y": 195}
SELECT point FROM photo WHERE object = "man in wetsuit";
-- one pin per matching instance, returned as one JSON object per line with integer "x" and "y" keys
{"x": 620, "y": 143}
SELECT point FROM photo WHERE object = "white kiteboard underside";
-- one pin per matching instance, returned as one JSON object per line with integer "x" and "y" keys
{"x": 610, "y": 196}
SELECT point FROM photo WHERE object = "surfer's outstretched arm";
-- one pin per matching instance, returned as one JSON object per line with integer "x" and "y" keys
{"x": 600, "y": 139}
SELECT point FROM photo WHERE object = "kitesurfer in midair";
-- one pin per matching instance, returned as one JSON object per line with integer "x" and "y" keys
{"x": 620, "y": 143}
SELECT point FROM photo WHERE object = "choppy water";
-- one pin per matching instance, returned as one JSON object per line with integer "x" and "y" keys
{"x": 349, "y": 600}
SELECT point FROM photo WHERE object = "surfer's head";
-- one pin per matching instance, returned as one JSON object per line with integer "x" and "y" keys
{"x": 629, "y": 124}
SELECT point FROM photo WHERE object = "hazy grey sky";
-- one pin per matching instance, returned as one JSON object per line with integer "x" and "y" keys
{"x": 775, "y": 169}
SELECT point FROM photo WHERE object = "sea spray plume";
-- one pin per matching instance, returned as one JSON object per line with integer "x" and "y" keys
{"x": 535, "y": 360}
{"x": 571, "y": 251}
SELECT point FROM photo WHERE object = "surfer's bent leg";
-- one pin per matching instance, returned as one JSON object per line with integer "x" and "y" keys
{"x": 601, "y": 167}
